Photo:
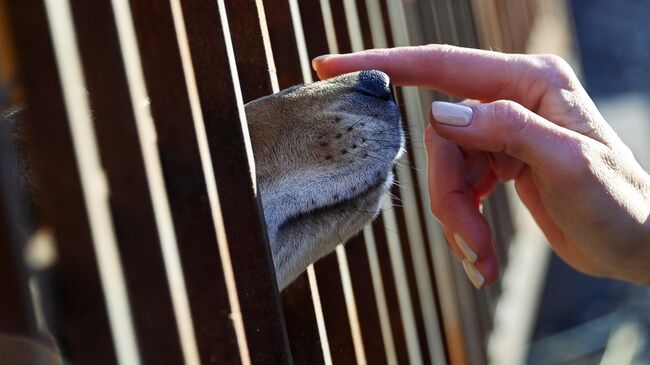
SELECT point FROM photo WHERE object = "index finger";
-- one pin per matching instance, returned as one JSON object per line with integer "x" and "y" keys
{"x": 464, "y": 72}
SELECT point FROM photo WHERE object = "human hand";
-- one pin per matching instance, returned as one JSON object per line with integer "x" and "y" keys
{"x": 532, "y": 123}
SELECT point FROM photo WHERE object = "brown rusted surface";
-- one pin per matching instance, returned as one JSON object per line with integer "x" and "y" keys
{"x": 337, "y": 321}
{"x": 242, "y": 213}
{"x": 301, "y": 323}
{"x": 390, "y": 291}
{"x": 314, "y": 28}
{"x": 246, "y": 32}
{"x": 366, "y": 301}
{"x": 130, "y": 198}
{"x": 283, "y": 42}
{"x": 81, "y": 323}
{"x": 340, "y": 26}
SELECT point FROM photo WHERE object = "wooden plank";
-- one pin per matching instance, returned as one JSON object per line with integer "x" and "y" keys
{"x": 82, "y": 322}
{"x": 244, "y": 223}
{"x": 130, "y": 198}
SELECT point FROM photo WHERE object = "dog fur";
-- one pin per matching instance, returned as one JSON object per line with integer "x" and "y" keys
{"x": 324, "y": 154}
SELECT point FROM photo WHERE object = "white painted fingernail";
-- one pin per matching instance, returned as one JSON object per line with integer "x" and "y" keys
{"x": 469, "y": 254}
{"x": 451, "y": 114}
{"x": 473, "y": 274}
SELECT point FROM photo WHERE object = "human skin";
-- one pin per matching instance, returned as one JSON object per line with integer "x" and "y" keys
{"x": 531, "y": 121}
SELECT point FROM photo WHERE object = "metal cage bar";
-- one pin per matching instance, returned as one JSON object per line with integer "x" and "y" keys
{"x": 136, "y": 115}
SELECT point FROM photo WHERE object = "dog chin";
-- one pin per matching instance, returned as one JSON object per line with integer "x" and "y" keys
{"x": 321, "y": 230}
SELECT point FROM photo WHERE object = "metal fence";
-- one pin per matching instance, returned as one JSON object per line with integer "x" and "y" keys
{"x": 135, "y": 116}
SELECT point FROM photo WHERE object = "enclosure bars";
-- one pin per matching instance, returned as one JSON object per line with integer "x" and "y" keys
{"x": 163, "y": 221}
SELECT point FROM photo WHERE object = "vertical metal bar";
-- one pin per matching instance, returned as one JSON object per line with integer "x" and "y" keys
{"x": 439, "y": 252}
{"x": 345, "y": 17}
{"x": 284, "y": 43}
{"x": 339, "y": 305}
{"x": 305, "y": 321}
{"x": 337, "y": 321}
{"x": 251, "y": 43}
{"x": 179, "y": 109}
{"x": 364, "y": 299}
{"x": 466, "y": 23}
{"x": 314, "y": 29}
{"x": 340, "y": 23}
{"x": 126, "y": 170}
{"x": 368, "y": 300}
{"x": 95, "y": 325}
{"x": 504, "y": 23}
{"x": 222, "y": 112}
{"x": 390, "y": 293}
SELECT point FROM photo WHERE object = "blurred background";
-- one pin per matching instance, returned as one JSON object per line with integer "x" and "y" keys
{"x": 581, "y": 319}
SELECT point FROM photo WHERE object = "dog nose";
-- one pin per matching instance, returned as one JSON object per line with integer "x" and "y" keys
{"x": 375, "y": 83}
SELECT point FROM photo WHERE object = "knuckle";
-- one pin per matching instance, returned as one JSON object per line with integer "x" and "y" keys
{"x": 445, "y": 48}
{"x": 514, "y": 120}
{"x": 441, "y": 54}
{"x": 503, "y": 109}
{"x": 552, "y": 61}
{"x": 555, "y": 70}
{"x": 508, "y": 112}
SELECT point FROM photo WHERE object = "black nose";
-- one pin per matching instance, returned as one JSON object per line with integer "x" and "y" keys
{"x": 375, "y": 83}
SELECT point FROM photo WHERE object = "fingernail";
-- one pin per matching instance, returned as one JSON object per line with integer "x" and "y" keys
{"x": 473, "y": 274}
{"x": 451, "y": 114}
{"x": 469, "y": 254}
{"x": 318, "y": 59}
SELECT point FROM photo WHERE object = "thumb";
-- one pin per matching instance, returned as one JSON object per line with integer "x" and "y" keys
{"x": 508, "y": 127}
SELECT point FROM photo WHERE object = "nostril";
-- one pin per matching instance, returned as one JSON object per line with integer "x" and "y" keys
{"x": 375, "y": 83}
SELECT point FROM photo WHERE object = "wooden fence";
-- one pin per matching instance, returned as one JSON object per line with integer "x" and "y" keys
{"x": 157, "y": 250}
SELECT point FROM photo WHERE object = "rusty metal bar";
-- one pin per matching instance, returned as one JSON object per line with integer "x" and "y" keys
{"x": 130, "y": 198}
{"x": 184, "y": 153}
{"x": 225, "y": 128}
{"x": 390, "y": 291}
{"x": 82, "y": 322}
{"x": 299, "y": 303}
